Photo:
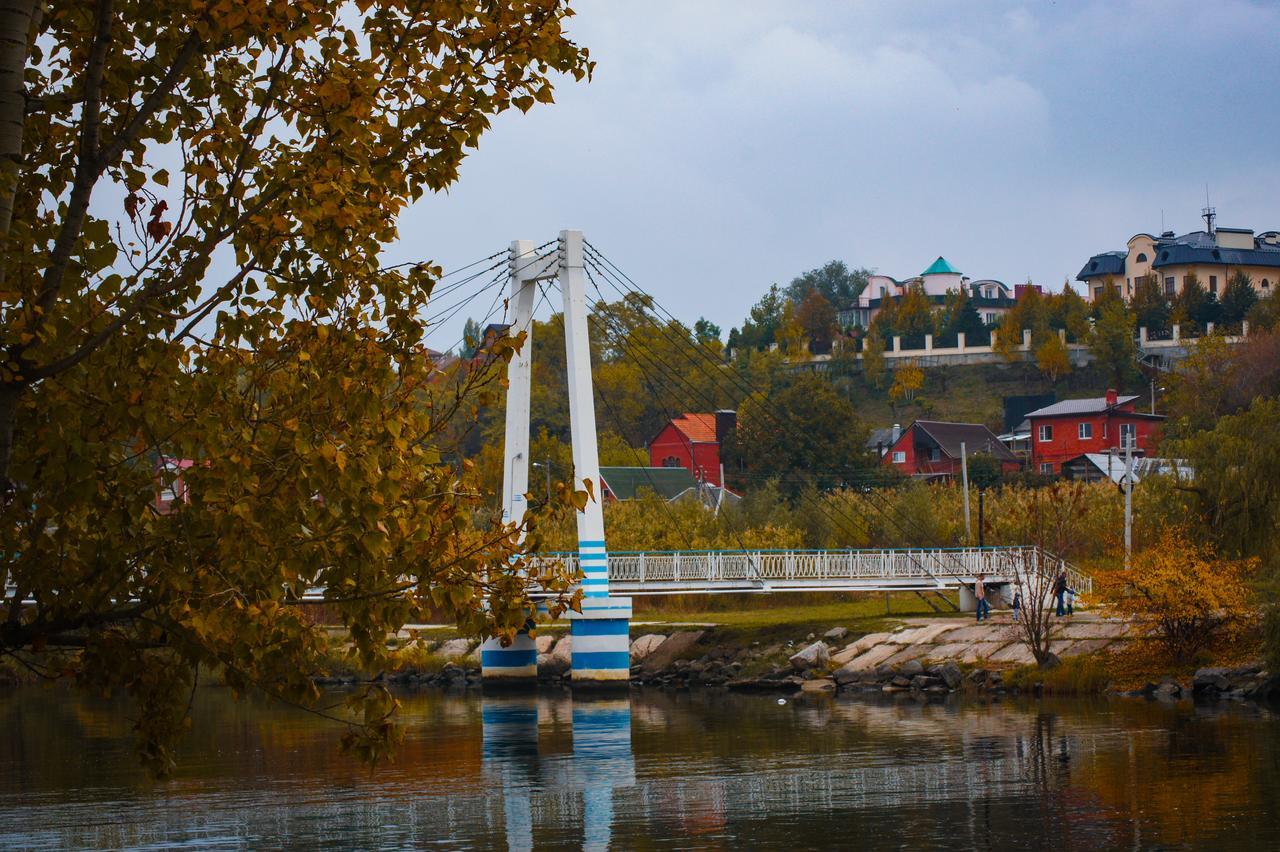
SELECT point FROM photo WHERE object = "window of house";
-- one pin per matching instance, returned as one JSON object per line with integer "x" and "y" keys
{"x": 1085, "y": 431}
{"x": 1128, "y": 434}
{"x": 1046, "y": 467}
{"x": 1213, "y": 284}
{"x": 1142, "y": 257}
{"x": 671, "y": 461}
{"x": 1046, "y": 433}
{"x": 935, "y": 454}
{"x": 899, "y": 456}
{"x": 1097, "y": 292}
{"x": 1169, "y": 286}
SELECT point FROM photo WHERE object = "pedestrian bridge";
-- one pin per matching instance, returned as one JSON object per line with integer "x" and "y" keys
{"x": 636, "y": 573}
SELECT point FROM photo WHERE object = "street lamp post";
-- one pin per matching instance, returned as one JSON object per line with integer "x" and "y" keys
{"x": 545, "y": 464}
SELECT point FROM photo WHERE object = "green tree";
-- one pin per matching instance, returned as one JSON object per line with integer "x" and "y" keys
{"x": 1150, "y": 306}
{"x": 1191, "y": 304}
{"x": 834, "y": 281}
{"x": 803, "y": 434}
{"x": 964, "y": 319}
{"x": 1111, "y": 341}
{"x": 1238, "y": 298}
{"x": 760, "y": 329}
{"x": 705, "y": 331}
{"x": 229, "y": 320}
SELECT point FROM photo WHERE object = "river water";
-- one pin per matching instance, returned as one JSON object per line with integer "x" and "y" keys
{"x": 705, "y": 770}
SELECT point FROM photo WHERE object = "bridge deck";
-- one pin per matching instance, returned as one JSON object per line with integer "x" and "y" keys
{"x": 718, "y": 571}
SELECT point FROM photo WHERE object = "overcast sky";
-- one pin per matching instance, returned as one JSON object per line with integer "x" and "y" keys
{"x": 723, "y": 146}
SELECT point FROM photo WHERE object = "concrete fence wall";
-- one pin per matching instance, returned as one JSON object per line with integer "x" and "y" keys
{"x": 895, "y": 355}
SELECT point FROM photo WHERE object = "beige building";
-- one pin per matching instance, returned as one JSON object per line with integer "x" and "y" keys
{"x": 1213, "y": 256}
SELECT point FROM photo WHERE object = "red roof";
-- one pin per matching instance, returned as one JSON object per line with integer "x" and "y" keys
{"x": 698, "y": 428}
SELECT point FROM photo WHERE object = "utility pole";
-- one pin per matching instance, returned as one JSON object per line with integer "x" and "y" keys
{"x": 981, "y": 523}
{"x": 1128, "y": 500}
{"x": 964, "y": 474}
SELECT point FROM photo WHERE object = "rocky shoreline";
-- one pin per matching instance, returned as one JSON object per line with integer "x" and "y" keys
{"x": 828, "y": 664}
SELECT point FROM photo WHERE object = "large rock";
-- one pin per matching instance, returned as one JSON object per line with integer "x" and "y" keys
{"x": 835, "y": 634}
{"x": 951, "y": 675}
{"x": 1210, "y": 681}
{"x": 911, "y": 668}
{"x": 818, "y": 684}
{"x": 558, "y": 660}
{"x": 812, "y": 657}
{"x": 847, "y": 674}
{"x": 675, "y": 647}
{"x": 1267, "y": 689}
{"x": 645, "y": 645}
{"x": 454, "y": 649}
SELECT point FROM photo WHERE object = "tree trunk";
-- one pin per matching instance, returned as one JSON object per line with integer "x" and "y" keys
{"x": 18, "y": 20}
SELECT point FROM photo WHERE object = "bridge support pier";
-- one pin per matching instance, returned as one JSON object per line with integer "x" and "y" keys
{"x": 601, "y": 642}
{"x": 517, "y": 663}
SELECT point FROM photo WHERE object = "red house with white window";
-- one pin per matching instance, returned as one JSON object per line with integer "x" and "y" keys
{"x": 692, "y": 441}
{"x": 932, "y": 448}
{"x": 1073, "y": 427}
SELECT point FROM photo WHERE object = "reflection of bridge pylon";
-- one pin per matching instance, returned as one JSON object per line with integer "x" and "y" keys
{"x": 601, "y": 632}
{"x": 514, "y": 757}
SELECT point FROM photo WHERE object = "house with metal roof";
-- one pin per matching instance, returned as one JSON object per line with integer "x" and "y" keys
{"x": 1073, "y": 427}
{"x": 992, "y": 298}
{"x": 934, "y": 449}
{"x": 669, "y": 483}
{"x": 1094, "y": 467}
{"x": 1212, "y": 256}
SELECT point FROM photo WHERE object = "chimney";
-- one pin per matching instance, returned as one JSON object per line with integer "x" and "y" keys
{"x": 726, "y": 422}
{"x": 895, "y": 434}
{"x": 1112, "y": 398}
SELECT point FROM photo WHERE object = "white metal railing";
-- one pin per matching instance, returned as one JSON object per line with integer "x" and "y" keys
{"x": 674, "y": 572}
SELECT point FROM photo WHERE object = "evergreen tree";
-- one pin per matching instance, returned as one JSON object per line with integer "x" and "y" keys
{"x": 1238, "y": 297}
{"x": 1150, "y": 306}
{"x": 705, "y": 331}
{"x": 1111, "y": 341}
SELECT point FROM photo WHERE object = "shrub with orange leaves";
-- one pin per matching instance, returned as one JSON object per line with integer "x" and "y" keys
{"x": 1184, "y": 599}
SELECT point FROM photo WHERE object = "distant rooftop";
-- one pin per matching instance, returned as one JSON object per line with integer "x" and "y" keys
{"x": 1093, "y": 405}
{"x": 941, "y": 267}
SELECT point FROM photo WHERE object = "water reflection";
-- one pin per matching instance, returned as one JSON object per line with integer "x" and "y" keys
{"x": 705, "y": 770}
{"x": 523, "y": 755}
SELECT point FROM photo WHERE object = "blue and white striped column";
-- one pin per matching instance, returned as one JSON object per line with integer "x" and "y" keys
{"x": 517, "y": 662}
{"x": 602, "y": 631}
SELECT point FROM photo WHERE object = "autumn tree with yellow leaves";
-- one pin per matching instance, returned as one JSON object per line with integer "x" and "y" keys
{"x": 1184, "y": 598}
{"x": 193, "y": 198}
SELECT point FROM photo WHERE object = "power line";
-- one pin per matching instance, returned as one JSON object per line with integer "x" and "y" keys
{"x": 617, "y": 274}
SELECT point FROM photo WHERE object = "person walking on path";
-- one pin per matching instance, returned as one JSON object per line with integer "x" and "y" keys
{"x": 1071, "y": 601}
{"x": 1017, "y": 604}
{"x": 980, "y": 592}
{"x": 1060, "y": 591}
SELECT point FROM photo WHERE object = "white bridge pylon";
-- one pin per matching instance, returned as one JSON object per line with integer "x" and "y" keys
{"x": 601, "y": 632}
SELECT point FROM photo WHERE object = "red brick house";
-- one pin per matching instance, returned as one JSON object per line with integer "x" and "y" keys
{"x": 692, "y": 441}
{"x": 1069, "y": 429}
{"x": 932, "y": 448}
